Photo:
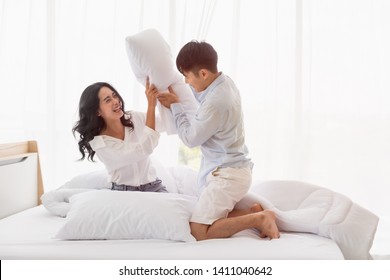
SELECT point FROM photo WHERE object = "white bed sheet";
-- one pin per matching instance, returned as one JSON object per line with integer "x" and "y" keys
{"x": 29, "y": 235}
{"x": 381, "y": 247}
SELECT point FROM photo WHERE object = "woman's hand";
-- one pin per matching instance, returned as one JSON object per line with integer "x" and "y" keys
{"x": 151, "y": 93}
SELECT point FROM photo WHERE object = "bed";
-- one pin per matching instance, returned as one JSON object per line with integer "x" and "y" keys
{"x": 29, "y": 235}
{"x": 316, "y": 223}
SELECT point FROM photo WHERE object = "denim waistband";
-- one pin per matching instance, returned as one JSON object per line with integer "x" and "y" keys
{"x": 124, "y": 187}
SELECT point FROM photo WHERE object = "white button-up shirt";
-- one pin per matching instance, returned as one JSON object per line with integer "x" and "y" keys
{"x": 127, "y": 161}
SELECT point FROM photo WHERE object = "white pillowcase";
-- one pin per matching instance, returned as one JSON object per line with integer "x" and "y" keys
{"x": 186, "y": 180}
{"x": 101, "y": 180}
{"x": 93, "y": 180}
{"x": 164, "y": 174}
{"x": 106, "y": 214}
{"x": 177, "y": 179}
{"x": 150, "y": 56}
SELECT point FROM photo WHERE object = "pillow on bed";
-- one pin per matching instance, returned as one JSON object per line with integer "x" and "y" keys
{"x": 150, "y": 56}
{"x": 103, "y": 214}
{"x": 164, "y": 174}
{"x": 186, "y": 180}
{"x": 93, "y": 180}
{"x": 101, "y": 180}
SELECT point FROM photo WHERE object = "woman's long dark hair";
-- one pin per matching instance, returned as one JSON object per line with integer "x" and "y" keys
{"x": 90, "y": 124}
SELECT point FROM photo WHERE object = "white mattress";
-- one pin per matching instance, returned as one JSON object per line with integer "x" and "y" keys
{"x": 29, "y": 235}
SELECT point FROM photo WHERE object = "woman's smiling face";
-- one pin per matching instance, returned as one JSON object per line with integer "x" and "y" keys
{"x": 110, "y": 105}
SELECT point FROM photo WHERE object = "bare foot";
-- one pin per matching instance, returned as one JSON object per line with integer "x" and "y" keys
{"x": 256, "y": 208}
{"x": 267, "y": 224}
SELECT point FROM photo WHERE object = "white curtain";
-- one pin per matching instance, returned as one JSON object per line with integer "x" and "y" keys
{"x": 314, "y": 79}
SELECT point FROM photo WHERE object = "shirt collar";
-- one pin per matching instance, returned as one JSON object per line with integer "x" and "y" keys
{"x": 201, "y": 96}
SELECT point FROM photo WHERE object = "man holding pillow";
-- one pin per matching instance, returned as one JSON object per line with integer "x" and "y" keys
{"x": 225, "y": 174}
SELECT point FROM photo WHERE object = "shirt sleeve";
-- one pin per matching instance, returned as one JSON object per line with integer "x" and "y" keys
{"x": 196, "y": 130}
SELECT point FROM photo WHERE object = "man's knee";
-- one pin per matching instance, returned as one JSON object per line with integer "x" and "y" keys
{"x": 199, "y": 231}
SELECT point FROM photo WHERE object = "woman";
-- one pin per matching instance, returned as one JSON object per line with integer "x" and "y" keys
{"x": 123, "y": 141}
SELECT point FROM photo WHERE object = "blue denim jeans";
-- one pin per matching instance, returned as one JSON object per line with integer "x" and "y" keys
{"x": 155, "y": 186}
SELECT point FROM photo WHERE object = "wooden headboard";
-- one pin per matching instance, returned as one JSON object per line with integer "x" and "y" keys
{"x": 21, "y": 183}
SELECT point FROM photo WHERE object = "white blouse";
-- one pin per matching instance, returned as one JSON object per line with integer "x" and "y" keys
{"x": 127, "y": 161}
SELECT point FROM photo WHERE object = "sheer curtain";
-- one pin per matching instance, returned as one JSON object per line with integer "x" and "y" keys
{"x": 345, "y": 98}
{"x": 313, "y": 77}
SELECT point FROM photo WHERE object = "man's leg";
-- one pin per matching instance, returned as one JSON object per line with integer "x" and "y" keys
{"x": 240, "y": 212}
{"x": 264, "y": 221}
{"x": 214, "y": 215}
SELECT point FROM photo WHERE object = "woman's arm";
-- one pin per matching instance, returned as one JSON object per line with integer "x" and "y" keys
{"x": 151, "y": 95}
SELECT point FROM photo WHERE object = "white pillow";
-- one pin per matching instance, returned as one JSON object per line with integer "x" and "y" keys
{"x": 104, "y": 214}
{"x": 101, "y": 180}
{"x": 164, "y": 174}
{"x": 93, "y": 180}
{"x": 186, "y": 180}
{"x": 150, "y": 56}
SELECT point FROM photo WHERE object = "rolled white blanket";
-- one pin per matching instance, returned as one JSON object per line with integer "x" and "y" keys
{"x": 303, "y": 207}
{"x": 57, "y": 201}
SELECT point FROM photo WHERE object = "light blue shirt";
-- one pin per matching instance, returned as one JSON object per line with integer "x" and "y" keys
{"x": 217, "y": 127}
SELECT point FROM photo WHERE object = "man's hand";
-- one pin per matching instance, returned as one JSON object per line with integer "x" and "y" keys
{"x": 168, "y": 98}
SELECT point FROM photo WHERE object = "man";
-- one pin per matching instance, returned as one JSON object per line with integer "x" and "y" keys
{"x": 226, "y": 171}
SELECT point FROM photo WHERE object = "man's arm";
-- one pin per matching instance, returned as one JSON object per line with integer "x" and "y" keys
{"x": 195, "y": 131}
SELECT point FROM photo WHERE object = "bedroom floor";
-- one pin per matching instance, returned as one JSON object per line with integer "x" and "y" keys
{"x": 381, "y": 248}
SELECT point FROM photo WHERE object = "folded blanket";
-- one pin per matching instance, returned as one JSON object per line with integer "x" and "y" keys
{"x": 303, "y": 207}
{"x": 57, "y": 201}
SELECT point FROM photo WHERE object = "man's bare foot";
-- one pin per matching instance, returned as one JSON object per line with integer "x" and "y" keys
{"x": 256, "y": 208}
{"x": 267, "y": 224}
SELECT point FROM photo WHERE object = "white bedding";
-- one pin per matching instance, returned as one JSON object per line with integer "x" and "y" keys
{"x": 316, "y": 223}
{"x": 299, "y": 207}
{"x": 29, "y": 235}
